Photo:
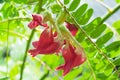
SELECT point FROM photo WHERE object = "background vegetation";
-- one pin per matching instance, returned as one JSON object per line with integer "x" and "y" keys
{"x": 99, "y": 35}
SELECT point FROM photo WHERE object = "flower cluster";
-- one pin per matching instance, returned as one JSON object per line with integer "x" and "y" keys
{"x": 50, "y": 43}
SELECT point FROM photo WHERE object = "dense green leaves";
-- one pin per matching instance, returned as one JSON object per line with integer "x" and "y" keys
{"x": 9, "y": 10}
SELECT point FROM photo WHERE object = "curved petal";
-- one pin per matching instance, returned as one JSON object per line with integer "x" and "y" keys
{"x": 72, "y": 59}
{"x": 72, "y": 28}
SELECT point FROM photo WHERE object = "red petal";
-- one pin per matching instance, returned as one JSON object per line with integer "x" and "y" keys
{"x": 72, "y": 28}
{"x": 33, "y": 52}
{"x": 72, "y": 59}
{"x": 46, "y": 39}
{"x": 47, "y": 44}
{"x": 60, "y": 67}
{"x": 33, "y": 24}
{"x": 39, "y": 19}
{"x": 35, "y": 44}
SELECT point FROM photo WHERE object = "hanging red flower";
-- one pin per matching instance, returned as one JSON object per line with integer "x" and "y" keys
{"x": 72, "y": 28}
{"x": 47, "y": 44}
{"x": 37, "y": 20}
{"x": 72, "y": 58}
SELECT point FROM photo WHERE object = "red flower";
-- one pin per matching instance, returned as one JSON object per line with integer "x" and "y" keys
{"x": 72, "y": 28}
{"x": 37, "y": 20}
{"x": 47, "y": 44}
{"x": 72, "y": 59}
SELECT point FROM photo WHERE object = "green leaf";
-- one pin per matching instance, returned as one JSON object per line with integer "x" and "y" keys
{"x": 74, "y": 5}
{"x": 101, "y": 76}
{"x": 113, "y": 46}
{"x": 1, "y": 1}
{"x": 20, "y": 1}
{"x": 55, "y": 8}
{"x": 108, "y": 70}
{"x": 98, "y": 31}
{"x": 85, "y": 18}
{"x": 14, "y": 71}
{"x": 91, "y": 26}
{"x": 9, "y": 10}
{"x": 105, "y": 38}
{"x": 118, "y": 1}
{"x": 66, "y": 1}
{"x": 4, "y": 78}
{"x": 80, "y": 36}
{"x": 71, "y": 76}
{"x": 117, "y": 26}
{"x": 117, "y": 61}
{"x": 80, "y": 11}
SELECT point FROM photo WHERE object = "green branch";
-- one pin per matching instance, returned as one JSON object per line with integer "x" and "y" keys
{"x": 16, "y": 18}
{"x": 109, "y": 14}
{"x": 7, "y": 48}
{"x": 25, "y": 56}
{"x": 28, "y": 43}
{"x": 78, "y": 26}
{"x": 15, "y": 33}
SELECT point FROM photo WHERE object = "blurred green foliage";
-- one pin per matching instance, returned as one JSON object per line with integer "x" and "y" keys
{"x": 14, "y": 18}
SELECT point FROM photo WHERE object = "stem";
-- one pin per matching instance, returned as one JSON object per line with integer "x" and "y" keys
{"x": 92, "y": 71}
{"x": 109, "y": 14}
{"x": 15, "y": 33}
{"x": 16, "y": 18}
{"x": 100, "y": 51}
{"x": 7, "y": 47}
{"x": 25, "y": 56}
{"x": 28, "y": 44}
